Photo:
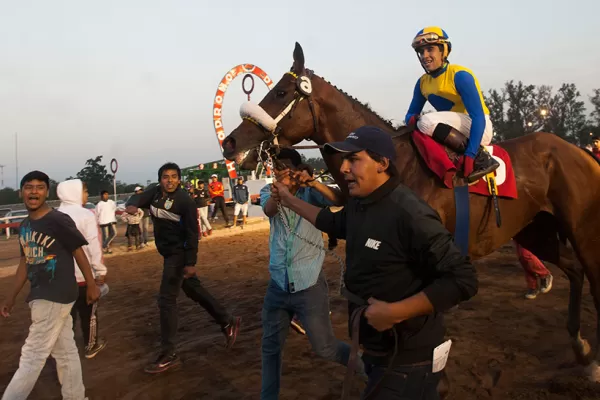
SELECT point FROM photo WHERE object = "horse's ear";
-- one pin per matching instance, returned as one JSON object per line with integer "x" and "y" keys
{"x": 298, "y": 66}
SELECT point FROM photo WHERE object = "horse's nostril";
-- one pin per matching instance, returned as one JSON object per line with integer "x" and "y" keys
{"x": 229, "y": 144}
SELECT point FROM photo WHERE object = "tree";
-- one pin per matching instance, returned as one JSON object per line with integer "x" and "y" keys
{"x": 566, "y": 114}
{"x": 521, "y": 109}
{"x": 317, "y": 163}
{"x": 595, "y": 100}
{"x": 9, "y": 196}
{"x": 96, "y": 176}
{"x": 495, "y": 103}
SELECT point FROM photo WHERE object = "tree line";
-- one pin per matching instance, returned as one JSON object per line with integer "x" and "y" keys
{"x": 518, "y": 109}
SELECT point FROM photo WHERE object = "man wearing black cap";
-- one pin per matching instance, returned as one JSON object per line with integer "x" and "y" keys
{"x": 403, "y": 269}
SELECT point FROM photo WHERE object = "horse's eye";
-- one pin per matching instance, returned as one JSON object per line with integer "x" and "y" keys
{"x": 280, "y": 93}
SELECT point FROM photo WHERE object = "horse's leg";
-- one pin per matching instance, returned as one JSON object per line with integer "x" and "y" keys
{"x": 542, "y": 239}
{"x": 589, "y": 255}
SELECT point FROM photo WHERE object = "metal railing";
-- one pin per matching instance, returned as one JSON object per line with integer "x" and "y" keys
{"x": 5, "y": 223}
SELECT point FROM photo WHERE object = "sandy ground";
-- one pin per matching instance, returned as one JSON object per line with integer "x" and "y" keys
{"x": 505, "y": 347}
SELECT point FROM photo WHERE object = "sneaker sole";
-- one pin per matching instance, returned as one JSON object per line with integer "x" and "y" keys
{"x": 92, "y": 355}
{"x": 238, "y": 322}
{"x": 166, "y": 368}
{"x": 547, "y": 289}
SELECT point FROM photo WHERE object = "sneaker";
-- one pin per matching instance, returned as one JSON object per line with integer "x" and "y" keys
{"x": 204, "y": 234}
{"x": 546, "y": 283}
{"x": 231, "y": 331}
{"x": 130, "y": 249}
{"x": 531, "y": 294}
{"x": 297, "y": 326}
{"x": 209, "y": 232}
{"x": 90, "y": 352}
{"x": 164, "y": 362}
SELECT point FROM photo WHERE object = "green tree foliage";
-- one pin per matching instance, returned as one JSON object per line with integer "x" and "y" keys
{"x": 96, "y": 176}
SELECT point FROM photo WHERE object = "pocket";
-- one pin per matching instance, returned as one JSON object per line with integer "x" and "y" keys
{"x": 384, "y": 384}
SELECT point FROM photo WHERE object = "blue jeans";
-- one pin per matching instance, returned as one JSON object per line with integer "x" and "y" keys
{"x": 312, "y": 308}
{"x": 402, "y": 382}
{"x": 109, "y": 233}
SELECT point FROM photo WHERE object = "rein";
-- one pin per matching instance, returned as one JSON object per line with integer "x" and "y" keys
{"x": 270, "y": 159}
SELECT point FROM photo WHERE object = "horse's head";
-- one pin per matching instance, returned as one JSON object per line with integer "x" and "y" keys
{"x": 285, "y": 116}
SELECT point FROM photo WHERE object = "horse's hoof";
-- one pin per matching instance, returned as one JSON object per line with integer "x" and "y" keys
{"x": 583, "y": 351}
{"x": 593, "y": 372}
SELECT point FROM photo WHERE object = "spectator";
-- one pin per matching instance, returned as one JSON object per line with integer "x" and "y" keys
{"x": 133, "y": 232}
{"x": 217, "y": 193}
{"x": 201, "y": 198}
{"x": 596, "y": 146}
{"x": 105, "y": 213}
{"x": 73, "y": 194}
{"x": 241, "y": 196}
{"x": 145, "y": 222}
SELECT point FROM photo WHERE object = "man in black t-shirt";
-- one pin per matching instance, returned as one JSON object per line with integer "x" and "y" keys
{"x": 49, "y": 241}
{"x": 201, "y": 197}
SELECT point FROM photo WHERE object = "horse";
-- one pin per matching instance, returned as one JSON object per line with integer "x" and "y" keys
{"x": 555, "y": 215}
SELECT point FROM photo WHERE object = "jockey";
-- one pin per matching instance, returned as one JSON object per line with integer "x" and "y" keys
{"x": 462, "y": 121}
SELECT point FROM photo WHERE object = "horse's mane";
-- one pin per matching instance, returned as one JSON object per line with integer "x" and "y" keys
{"x": 366, "y": 107}
{"x": 395, "y": 129}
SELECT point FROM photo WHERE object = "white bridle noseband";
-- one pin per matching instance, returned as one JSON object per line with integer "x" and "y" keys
{"x": 257, "y": 115}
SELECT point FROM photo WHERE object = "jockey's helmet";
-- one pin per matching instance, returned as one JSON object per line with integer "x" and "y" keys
{"x": 433, "y": 35}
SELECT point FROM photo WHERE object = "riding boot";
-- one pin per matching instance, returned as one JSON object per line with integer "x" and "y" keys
{"x": 482, "y": 165}
{"x": 457, "y": 142}
{"x": 450, "y": 138}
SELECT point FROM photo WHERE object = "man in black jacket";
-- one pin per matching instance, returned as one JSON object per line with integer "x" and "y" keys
{"x": 241, "y": 196}
{"x": 403, "y": 269}
{"x": 175, "y": 220}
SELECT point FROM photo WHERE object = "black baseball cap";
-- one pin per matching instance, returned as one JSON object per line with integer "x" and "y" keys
{"x": 366, "y": 137}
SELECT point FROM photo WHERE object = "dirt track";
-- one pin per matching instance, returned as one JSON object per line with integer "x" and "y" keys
{"x": 505, "y": 347}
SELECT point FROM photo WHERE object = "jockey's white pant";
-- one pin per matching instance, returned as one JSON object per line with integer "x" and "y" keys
{"x": 459, "y": 121}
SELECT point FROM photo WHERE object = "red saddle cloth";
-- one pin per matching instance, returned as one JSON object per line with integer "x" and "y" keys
{"x": 435, "y": 156}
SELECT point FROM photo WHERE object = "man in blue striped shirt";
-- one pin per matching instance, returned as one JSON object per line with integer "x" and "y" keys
{"x": 297, "y": 284}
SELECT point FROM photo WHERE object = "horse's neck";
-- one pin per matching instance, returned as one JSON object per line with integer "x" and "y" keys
{"x": 341, "y": 115}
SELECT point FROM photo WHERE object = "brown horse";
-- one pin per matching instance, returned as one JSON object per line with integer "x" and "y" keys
{"x": 558, "y": 183}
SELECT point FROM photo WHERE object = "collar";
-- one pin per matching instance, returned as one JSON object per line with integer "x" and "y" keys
{"x": 439, "y": 71}
{"x": 380, "y": 192}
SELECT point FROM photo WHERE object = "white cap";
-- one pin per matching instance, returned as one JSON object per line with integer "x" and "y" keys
{"x": 138, "y": 188}
{"x": 214, "y": 176}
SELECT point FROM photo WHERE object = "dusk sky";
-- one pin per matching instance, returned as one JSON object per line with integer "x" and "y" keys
{"x": 135, "y": 80}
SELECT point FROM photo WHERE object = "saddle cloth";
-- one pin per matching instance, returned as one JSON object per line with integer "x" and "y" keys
{"x": 437, "y": 160}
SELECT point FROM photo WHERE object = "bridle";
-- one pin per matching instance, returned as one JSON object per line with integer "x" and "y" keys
{"x": 255, "y": 114}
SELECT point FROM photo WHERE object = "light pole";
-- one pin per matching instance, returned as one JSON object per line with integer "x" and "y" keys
{"x": 2, "y": 176}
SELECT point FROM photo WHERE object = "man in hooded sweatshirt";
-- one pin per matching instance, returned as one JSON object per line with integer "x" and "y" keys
{"x": 73, "y": 194}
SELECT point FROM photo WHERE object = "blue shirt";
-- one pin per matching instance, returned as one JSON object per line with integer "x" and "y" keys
{"x": 295, "y": 265}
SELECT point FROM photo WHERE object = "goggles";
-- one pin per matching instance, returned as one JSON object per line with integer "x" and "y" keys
{"x": 427, "y": 39}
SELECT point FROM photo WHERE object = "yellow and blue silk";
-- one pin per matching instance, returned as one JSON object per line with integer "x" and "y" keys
{"x": 453, "y": 88}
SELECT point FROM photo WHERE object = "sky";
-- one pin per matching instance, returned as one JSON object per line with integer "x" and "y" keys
{"x": 136, "y": 80}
